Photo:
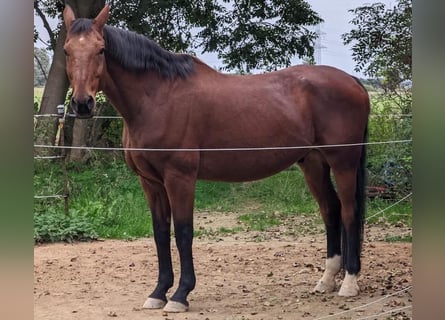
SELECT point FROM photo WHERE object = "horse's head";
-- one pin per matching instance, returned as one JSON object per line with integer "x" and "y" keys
{"x": 85, "y": 62}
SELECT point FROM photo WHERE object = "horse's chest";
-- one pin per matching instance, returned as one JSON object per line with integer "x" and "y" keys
{"x": 141, "y": 165}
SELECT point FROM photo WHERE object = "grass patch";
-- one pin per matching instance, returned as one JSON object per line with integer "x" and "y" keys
{"x": 384, "y": 211}
{"x": 260, "y": 221}
{"x": 285, "y": 192}
{"x": 107, "y": 200}
{"x": 402, "y": 238}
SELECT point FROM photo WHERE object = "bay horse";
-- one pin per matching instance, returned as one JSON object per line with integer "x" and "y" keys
{"x": 182, "y": 110}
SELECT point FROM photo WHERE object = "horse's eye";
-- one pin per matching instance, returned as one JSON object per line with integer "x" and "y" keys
{"x": 101, "y": 51}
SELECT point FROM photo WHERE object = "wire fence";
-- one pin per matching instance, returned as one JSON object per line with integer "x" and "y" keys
{"x": 62, "y": 147}
{"x": 92, "y": 148}
{"x": 226, "y": 149}
{"x": 72, "y": 115}
{"x": 406, "y": 289}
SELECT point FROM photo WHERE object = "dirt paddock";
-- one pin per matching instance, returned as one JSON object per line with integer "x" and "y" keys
{"x": 238, "y": 278}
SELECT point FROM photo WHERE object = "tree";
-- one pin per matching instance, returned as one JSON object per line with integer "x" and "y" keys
{"x": 257, "y": 34}
{"x": 382, "y": 42}
{"x": 41, "y": 66}
{"x": 382, "y": 49}
{"x": 246, "y": 34}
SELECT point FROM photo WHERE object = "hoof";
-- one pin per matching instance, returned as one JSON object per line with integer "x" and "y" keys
{"x": 349, "y": 291}
{"x": 175, "y": 307}
{"x": 349, "y": 287}
{"x": 153, "y": 303}
{"x": 324, "y": 287}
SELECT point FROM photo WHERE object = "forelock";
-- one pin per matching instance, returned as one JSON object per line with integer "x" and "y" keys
{"x": 81, "y": 25}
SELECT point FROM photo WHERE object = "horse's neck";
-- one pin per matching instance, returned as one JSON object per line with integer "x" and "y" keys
{"x": 126, "y": 90}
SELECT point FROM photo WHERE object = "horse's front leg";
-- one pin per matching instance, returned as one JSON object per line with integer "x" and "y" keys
{"x": 181, "y": 192}
{"x": 161, "y": 217}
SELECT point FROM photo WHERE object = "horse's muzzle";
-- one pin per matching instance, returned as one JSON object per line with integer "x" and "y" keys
{"x": 83, "y": 107}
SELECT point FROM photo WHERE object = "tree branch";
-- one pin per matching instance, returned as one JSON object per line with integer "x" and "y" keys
{"x": 46, "y": 25}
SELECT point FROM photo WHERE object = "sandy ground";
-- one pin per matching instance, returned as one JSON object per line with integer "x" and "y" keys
{"x": 245, "y": 276}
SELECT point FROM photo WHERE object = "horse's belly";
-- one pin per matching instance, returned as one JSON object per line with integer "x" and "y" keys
{"x": 238, "y": 166}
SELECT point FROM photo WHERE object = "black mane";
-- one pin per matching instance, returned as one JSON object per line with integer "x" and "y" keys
{"x": 137, "y": 52}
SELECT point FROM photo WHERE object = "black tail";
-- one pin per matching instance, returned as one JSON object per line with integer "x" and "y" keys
{"x": 360, "y": 193}
{"x": 360, "y": 200}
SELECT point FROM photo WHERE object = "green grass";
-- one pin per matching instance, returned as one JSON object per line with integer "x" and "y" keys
{"x": 106, "y": 200}
{"x": 285, "y": 192}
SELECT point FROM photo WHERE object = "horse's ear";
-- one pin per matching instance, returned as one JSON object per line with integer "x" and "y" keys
{"x": 102, "y": 17}
{"x": 68, "y": 16}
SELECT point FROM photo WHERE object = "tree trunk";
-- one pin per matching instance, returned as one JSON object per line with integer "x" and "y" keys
{"x": 53, "y": 95}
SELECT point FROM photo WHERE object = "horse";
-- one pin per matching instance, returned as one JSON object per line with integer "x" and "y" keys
{"x": 185, "y": 121}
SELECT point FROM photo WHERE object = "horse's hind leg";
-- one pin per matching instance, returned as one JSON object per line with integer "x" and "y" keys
{"x": 349, "y": 177}
{"x": 317, "y": 174}
{"x": 161, "y": 218}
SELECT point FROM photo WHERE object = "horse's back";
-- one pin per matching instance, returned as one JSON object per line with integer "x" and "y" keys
{"x": 294, "y": 107}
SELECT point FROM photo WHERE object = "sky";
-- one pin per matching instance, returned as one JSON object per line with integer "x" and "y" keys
{"x": 336, "y": 22}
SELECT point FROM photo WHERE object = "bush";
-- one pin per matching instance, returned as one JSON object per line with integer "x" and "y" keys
{"x": 53, "y": 227}
{"x": 390, "y": 165}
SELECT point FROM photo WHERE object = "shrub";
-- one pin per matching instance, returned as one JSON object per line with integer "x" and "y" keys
{"x": 390, "y": 165}
{"x": 54, "y": 226}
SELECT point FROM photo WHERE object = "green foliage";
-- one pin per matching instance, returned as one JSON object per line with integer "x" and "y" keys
{"x": 41, "y": 66}
{"x": 381, "y": 48}
{"x": 390, "y": 165}
{"x": 108, "y": 132}
{"x": 260, "y": 34}
{"x": 245, "y": 34}
{"x": 53, "y": 227}
{"x": 382, "y": 42}
{"x": 107, "y": 194}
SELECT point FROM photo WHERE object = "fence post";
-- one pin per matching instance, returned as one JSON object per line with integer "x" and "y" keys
{"x": 60, "y": 140}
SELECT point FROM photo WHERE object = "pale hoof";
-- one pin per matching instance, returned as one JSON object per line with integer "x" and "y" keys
{"x": 349, "y": 290}
{"x": 349, "y": 287}
{"x": 153, "y": 303}
{"x": 175, "y": 307}
{"x": 324, "y": 287}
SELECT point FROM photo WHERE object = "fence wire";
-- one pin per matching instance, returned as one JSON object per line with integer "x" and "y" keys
{"x": 225, "y": 149}
{"x": 367, "y": 304}
{"x": 72, "y": 115}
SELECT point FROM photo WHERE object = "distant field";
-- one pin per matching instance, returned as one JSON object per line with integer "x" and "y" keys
{"x": 38, "y": 93}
